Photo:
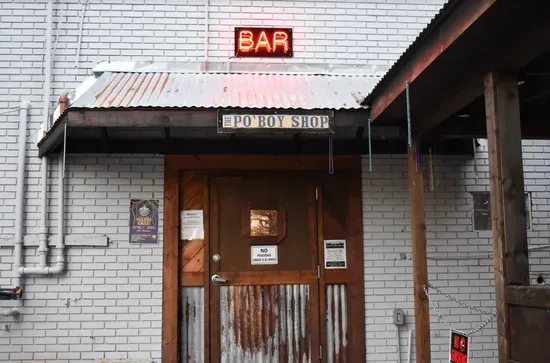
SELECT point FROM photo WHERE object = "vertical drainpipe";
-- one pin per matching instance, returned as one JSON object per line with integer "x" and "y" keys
{"x": 43, "y": 248}
{"x": 20, "y": 190}
{"x": 206, "y": 11}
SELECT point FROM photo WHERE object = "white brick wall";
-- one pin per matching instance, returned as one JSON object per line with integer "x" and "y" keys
{"x": 109, "y": 303}
{"x": 454, "y": 249}
{"x": 114, "y": 292}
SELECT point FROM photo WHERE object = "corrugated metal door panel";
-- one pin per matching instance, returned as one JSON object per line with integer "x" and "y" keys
{"x": 263, "y": 324}
{"x": 336, "y": 324}
{"x": 192, "y": 324}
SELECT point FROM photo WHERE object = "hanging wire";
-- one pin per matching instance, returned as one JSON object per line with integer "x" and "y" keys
{"x": 417, "y": 156}
{"x": 370, "y": 147}
{"x": 475, "y": 160}
{"x": 431, "y": 169}
{"x": 435, "y": 166}
{"x": 330, "y": 155}
{"x": 409, "y": 132}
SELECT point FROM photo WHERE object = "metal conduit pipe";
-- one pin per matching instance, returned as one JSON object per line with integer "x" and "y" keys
{"x": 43, "y": 247}
{"x": 42, "y": 269}
{"x": 20, "y": 190}
{"x": 60, "y": 245}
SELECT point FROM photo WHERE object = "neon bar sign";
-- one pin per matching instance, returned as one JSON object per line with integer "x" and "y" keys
{"x": 263, "y": 42}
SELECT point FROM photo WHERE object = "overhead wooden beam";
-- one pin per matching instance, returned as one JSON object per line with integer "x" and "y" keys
{"x": 419, "y": 257}
{"x": 511, "y": 265}
{"x": 522, "y": 47}
{"x": 254, "y": 146}
{"x": 465, "y": 14}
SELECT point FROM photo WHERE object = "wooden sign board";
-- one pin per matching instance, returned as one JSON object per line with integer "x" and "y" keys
{"x": 257, "y": 122}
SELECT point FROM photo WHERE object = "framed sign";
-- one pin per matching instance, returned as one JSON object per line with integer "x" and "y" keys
{"x": 459, "y": 348}
{"x": 263, "y": 42}
{"x": 258, "y": 121}
{"x": 144, "y": 221}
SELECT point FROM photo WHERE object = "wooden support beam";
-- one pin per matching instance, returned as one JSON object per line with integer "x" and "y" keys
{"x": 170, "y": 275}
{"x": 511, "y": 264}
{"x": 536, "y": 296}
{"x": 419, "y": 258}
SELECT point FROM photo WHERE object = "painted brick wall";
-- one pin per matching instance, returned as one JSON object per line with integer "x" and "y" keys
{"x": 109, "y": 302}
{"x": 460, "y": 259}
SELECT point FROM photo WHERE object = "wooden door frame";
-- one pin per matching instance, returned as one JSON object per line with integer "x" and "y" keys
{"x": 175, "y": 164}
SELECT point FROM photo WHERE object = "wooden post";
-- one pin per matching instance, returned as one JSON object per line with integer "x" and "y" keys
{"x": 419, "y": 258}
{"x": 170, "y": 275}
{"x": 507, "y": 195}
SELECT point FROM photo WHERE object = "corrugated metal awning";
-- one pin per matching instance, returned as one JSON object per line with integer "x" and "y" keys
{"x": 226, "y": 90}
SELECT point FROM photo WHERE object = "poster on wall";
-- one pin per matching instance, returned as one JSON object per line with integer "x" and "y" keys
{"x": 144, "y": 220}
{"x": 459, "y": 347}
{"x": 335, "y": 253}
{"x": 192, "y": 224}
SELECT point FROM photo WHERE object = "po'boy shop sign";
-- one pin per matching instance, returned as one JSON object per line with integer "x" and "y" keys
{"x": 238, "y": 121}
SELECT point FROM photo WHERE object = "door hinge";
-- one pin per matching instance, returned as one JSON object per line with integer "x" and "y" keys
{"x": 316, "y": 193}
{"x": 320, "y": 352}
{"x": 318, "y": 271}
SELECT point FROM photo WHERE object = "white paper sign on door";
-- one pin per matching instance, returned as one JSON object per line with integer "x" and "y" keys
{"x": 192, "y": 224}
{"x": 335, "y": 253}
{"x": 263, "y": 255}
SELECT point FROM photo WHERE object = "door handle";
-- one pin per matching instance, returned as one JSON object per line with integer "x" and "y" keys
{"x": 217, "y": 279}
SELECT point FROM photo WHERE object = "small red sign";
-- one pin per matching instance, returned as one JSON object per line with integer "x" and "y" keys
{"x": 459, "y": 348}
{"x": 263, "y": 42}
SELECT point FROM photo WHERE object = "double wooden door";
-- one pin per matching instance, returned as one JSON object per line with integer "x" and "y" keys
{"x": 255, "y": 284}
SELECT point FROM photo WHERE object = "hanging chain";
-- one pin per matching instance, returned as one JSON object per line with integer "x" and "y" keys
{"x": 435, "y": 307}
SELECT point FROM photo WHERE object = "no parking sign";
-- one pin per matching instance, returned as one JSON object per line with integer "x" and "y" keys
{"x": 459, "y": 348}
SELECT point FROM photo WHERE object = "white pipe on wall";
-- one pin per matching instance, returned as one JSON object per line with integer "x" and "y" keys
{"x": 60, "y": 246}
{"x": 409, "y": 343}
{"x": 43, "y": 247}
{"x": 42, "y": 268}
{"x": 206, "y": 11}
{"x": 20, "y": 190}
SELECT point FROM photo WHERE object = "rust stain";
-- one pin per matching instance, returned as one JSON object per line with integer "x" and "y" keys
{"x": 117, "y": 78}
{"x": 155, "y": 86}
{"x": 265, "y": 324}
{"x": 112, "y": 100}
{"x": 105, "y": 88}
{"x": 137, "y": 89}
{"x": 192, "y": 325}
{"x": 130, "y": 89}
{"x": 146, "y": 87}
{"x": 163, "y": 84}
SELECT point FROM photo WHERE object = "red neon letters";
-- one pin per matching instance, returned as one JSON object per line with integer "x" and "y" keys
{"x": 260, "y": 42}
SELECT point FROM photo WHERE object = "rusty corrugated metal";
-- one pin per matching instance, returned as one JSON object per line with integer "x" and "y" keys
{"x": 337, "y": 324}
{"x": 192, "y": 324}
{"x": 220, "y": 90}
{"x": 265, "y": 324}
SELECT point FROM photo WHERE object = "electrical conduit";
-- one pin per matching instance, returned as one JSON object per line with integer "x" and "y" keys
{"x": 42, "y": 269}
